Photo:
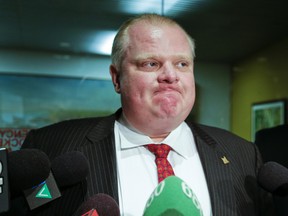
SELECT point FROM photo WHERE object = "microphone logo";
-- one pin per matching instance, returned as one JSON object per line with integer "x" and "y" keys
{"x": 44, "y": 192}
{"x": 173, "y": 196}
{"x": 92, "y": 212}
{"x": 158, "y": 190}
{"x": 189, "y": 193}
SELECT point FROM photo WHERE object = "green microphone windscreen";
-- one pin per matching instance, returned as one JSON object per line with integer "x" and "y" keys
{"x": 172, "y": 197}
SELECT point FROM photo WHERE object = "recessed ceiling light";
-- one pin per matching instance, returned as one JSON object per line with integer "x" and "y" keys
{"x": 155, "y": 6}
{"x": 103, "y": 42}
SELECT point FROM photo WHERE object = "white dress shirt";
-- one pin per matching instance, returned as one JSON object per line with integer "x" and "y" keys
{"x": 137, "y": 174}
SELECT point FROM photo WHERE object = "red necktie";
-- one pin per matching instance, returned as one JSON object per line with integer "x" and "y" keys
{"x": 164, "y": 168}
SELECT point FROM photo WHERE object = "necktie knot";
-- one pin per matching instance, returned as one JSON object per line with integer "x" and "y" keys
{"x": 159, "y": 150}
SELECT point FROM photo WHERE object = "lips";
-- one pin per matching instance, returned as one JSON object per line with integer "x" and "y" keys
{"x": 168, "y": 89}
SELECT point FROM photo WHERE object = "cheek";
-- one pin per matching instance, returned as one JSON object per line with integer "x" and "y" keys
{"x": 189, "y": 89}
{"x": 135, "y": 86}
{"x": 188, "y": 83}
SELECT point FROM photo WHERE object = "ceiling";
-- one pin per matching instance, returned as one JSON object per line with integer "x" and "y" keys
{"x": 224, "y": 30}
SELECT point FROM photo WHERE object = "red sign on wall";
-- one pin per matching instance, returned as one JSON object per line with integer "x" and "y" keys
{"x": 12, "y": 138}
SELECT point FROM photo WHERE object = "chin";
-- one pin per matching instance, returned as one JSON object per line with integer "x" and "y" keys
{"x": 170, "y": 119}
{"x": 167, "y": 115}
{"x": 171, "y": 113}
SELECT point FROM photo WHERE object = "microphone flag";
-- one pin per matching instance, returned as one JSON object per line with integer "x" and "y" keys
{"x": 92, "y": 212}
{"x": 42, "y": 193}
{"x": 172, "y": 197}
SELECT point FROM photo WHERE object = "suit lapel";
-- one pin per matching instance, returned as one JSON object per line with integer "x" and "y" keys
{"x": 217, "y": 168}
{"x": 101, "y": 154}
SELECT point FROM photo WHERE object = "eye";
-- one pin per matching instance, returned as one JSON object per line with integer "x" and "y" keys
{"x": 149, "y": 65}
{"x": 183, "y": 65}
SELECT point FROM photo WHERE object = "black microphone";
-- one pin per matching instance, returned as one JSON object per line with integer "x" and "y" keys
{"x": 104, "y": 205}
{"x": 273, "y": 177}
{"x": 66, "y": 170}
{"x": 4, "y": 183}
{"x": 70, "y": 168}
{"x": 20, "y": 170}
{"x": 27, "y": 168}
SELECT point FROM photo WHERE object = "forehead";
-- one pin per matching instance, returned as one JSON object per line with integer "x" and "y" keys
{"x": 157, "y": 38}
{"x": 145, "y": 29}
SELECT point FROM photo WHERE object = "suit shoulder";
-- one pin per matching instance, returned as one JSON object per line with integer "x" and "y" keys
{"x": 229, "y": 143}
{"x": 222, "y": 135}
{"x": 66, "y": 132}
{"x": 74, "y": 123}
{"x": 216, "y": 130}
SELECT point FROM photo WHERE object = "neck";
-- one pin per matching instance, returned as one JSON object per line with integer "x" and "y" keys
{"x": 159, "y": 138}
{"x": 156, "y": 138}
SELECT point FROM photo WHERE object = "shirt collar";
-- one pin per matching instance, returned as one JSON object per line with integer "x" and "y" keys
{"x": 177, "y": 139}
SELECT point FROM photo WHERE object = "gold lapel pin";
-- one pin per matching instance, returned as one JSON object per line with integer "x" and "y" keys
{"x": 225, "y": 160}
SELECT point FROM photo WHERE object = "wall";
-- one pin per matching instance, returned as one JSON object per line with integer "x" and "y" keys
{"x": 213, "y": 80}
{"x": 262, "y": 77}
{"x": 213, "y": 94}
{"x": 54, "y": 64}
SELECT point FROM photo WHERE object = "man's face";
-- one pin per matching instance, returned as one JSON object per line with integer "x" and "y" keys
{"x": 156, "y": 81}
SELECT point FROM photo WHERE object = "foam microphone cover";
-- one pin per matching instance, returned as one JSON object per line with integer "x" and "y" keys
{"x": 70, "y": 168}
{"x": 273, "y": 177}
{"x": 104, "y": 204}
{"x": 172, "y": 197}
{"x": 27, "y": 168}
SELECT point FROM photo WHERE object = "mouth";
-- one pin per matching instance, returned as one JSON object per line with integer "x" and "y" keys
{"x": 167, "y": 90}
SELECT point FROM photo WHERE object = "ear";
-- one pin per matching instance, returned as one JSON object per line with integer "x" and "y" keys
{"x": 114, "y": 73}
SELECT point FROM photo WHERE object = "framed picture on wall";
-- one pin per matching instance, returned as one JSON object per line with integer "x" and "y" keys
{"x": 267, "y": 114}
{"x": 33, "y": 101}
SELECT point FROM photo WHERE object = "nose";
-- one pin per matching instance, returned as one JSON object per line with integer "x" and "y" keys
{"x": 168, "y": 74}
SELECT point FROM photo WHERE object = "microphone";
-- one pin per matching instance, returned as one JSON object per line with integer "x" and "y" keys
{"x": 66, "y": 170}
{"x": 92, "y": 212}
{"x": 70, "y": 168}
{"x": 273, "y": 177}
{"x": 172, "y": 196}
{"x": 102, "y": 204}
{"x": 4, "y": 186}
{"x": 20, "y": 170}
{"x": 27, "y": 168}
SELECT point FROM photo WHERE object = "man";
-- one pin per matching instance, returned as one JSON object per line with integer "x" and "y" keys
{"x": 152, "y": 70}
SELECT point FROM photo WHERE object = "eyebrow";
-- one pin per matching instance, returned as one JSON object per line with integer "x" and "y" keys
{"x": 151, "y": 56}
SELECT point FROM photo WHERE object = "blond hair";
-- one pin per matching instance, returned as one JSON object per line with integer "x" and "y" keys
{"x": 121, "y": 39}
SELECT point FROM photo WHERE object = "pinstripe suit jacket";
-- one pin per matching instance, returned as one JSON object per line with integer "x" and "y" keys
{"x": 233, "y": 186}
